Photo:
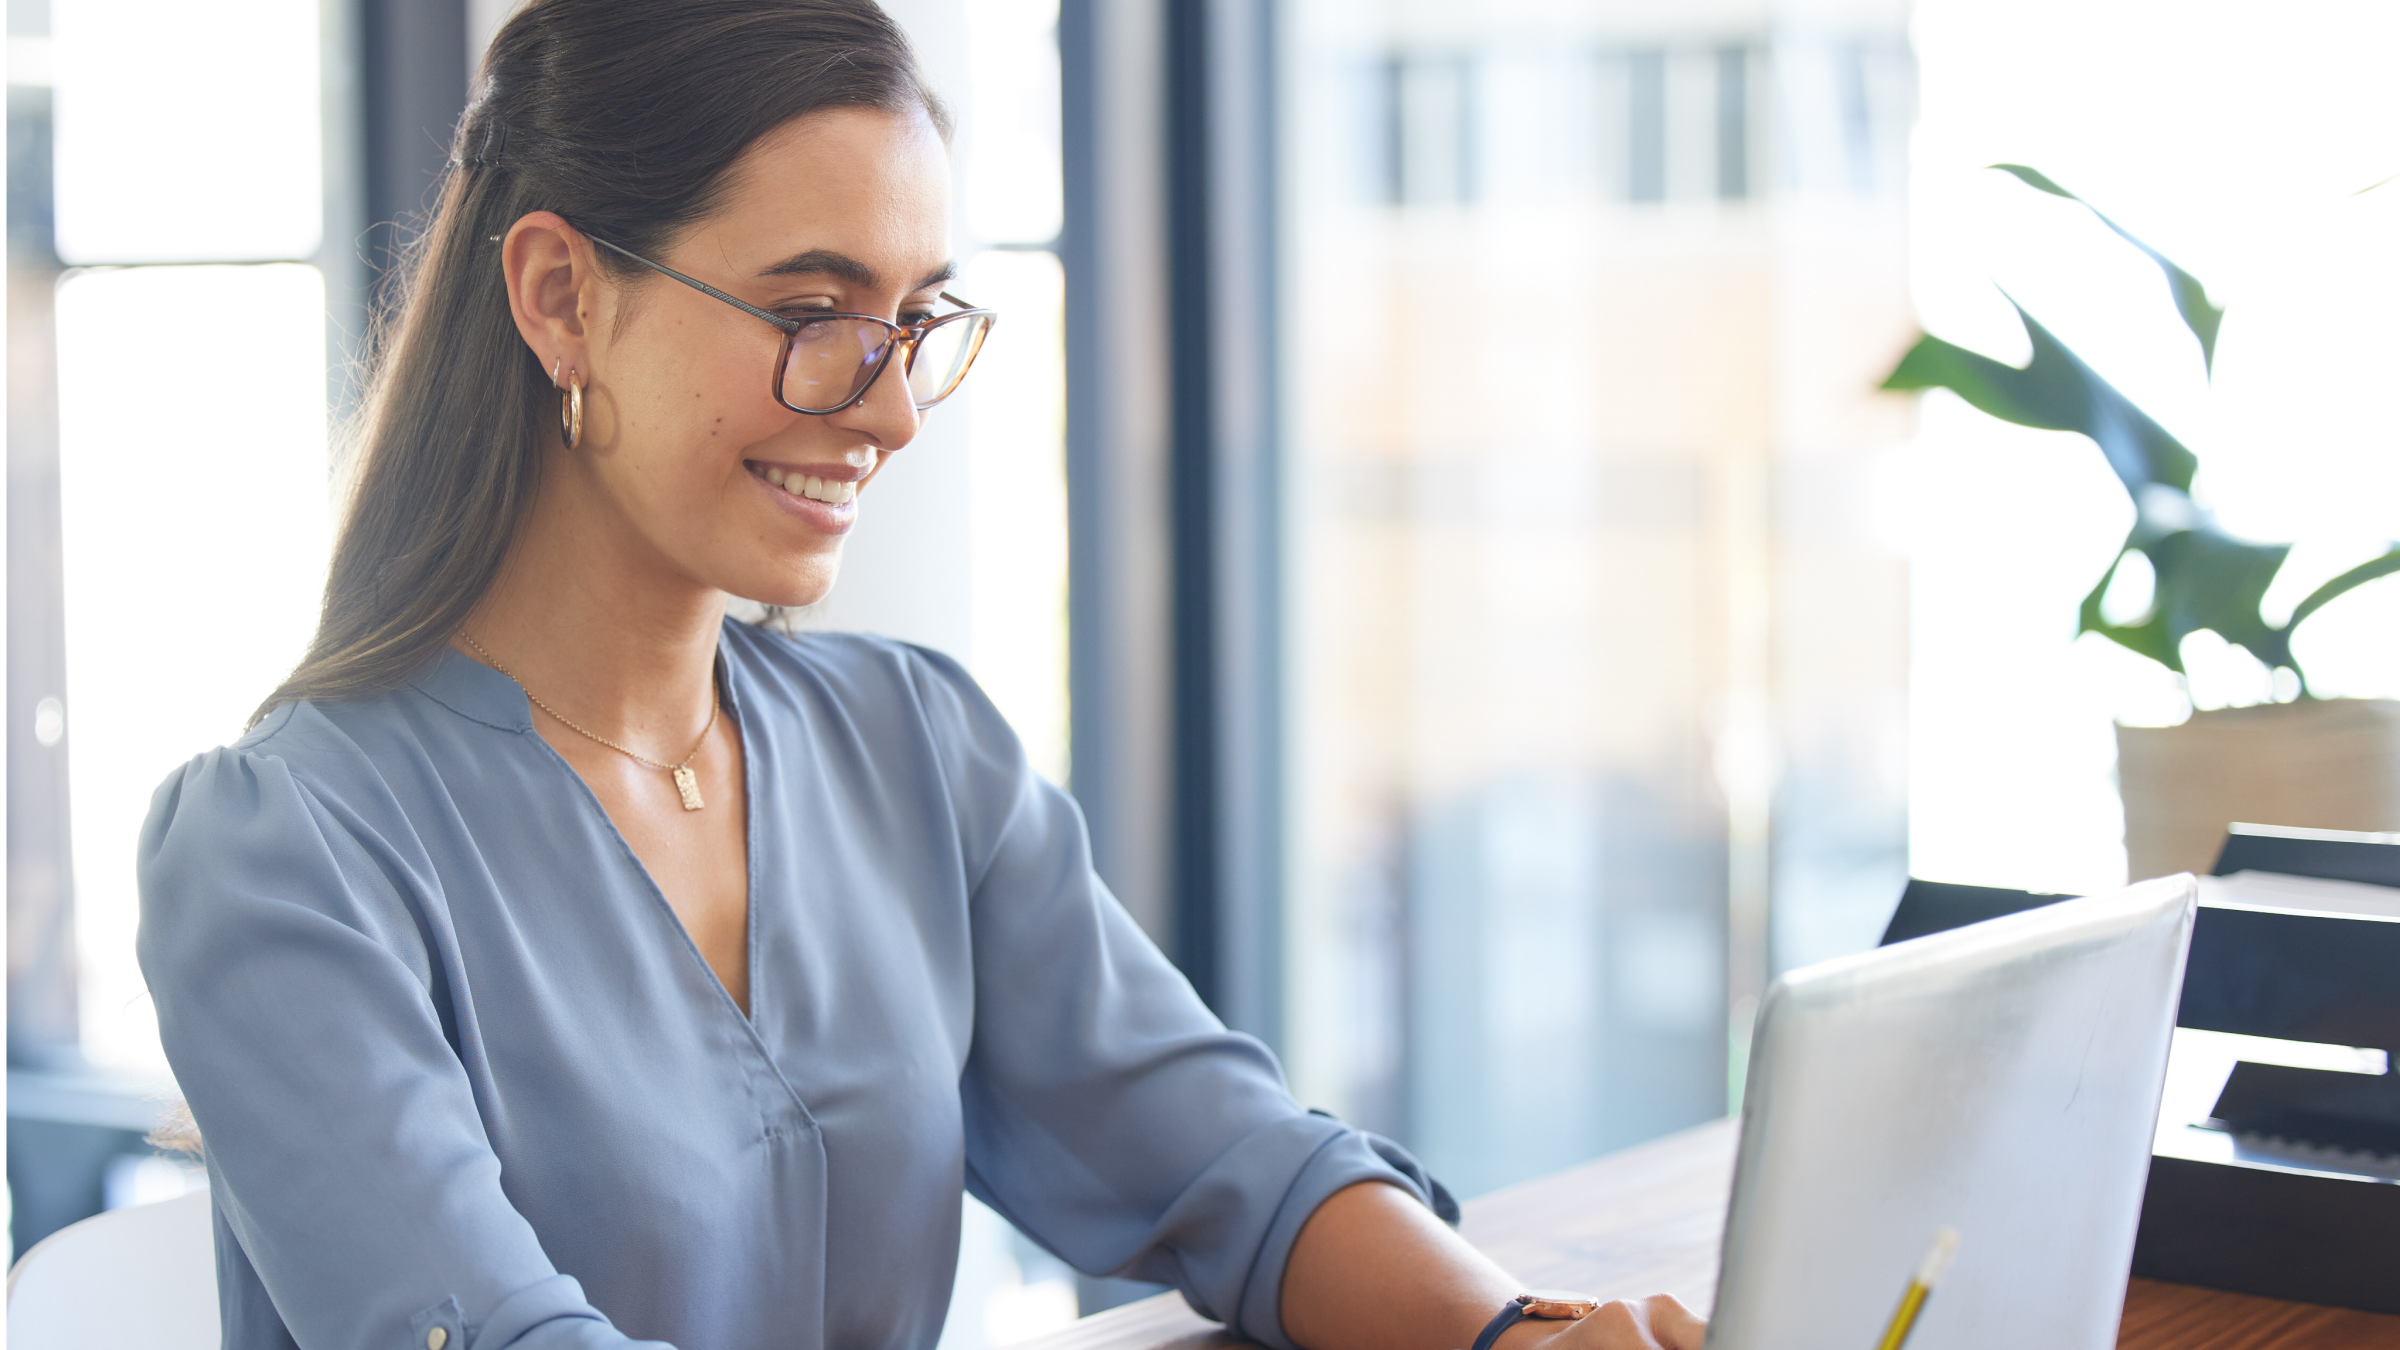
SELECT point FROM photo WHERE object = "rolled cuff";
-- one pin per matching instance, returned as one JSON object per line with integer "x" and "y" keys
{"x": 551, "y": 1314}
{"x": 1343, "y": 1158}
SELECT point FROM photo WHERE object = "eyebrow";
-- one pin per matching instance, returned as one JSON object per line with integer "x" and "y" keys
{"x": 825, "y": 262}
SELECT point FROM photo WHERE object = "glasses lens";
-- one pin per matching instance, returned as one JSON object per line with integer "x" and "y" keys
{"x": 942, "y": 354}
{"x": 831, "y": 359}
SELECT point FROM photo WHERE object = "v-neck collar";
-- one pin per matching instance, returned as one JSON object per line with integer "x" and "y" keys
{"x": 475, "y": 691}
{"x": 479, "y": 693}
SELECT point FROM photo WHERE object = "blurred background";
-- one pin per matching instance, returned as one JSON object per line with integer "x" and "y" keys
{"x": 1428, "y": 499}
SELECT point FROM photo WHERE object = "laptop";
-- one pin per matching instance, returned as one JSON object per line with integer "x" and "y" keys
{"x": 2000, "y": 1081}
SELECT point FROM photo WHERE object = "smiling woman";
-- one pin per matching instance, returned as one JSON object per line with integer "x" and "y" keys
{"x": 557, "y": 962}
{"x": 569, "y": 127}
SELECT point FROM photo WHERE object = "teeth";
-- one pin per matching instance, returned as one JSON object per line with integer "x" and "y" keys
{"x": 832, "y": 491}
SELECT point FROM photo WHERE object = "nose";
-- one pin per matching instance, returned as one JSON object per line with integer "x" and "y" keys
{"x": 887, "y": 417}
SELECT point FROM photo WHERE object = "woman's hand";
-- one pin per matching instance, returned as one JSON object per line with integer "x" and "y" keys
{"x": 1654, "y": 1323}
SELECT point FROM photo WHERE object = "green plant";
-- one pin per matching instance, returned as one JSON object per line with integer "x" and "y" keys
{"x": 2205, "y": 578}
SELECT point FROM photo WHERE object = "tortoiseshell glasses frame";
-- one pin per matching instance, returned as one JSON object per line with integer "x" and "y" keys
{"x": 818, "y": 347}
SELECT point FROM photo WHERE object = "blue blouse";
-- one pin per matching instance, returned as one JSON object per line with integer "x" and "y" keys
{"x": 459, "y": 1067}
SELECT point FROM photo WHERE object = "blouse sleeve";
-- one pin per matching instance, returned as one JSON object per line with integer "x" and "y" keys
{"x": 296, "y": 1000}
{"x": 1109, "y": 1114}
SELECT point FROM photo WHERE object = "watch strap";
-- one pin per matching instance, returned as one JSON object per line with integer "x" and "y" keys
{"x": 1510, "y": 1315}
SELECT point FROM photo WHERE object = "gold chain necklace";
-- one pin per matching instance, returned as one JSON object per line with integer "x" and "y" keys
{"x": 686, "y": 782}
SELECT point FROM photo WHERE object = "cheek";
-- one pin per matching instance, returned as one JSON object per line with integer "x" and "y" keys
{"x": 707, "y": 396}
{"x": 733, "y": 392}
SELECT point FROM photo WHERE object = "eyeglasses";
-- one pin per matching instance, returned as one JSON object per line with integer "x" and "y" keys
{"x": 829, "y": 361}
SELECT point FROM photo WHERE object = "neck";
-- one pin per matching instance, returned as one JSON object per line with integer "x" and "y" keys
{"x": 602, "y": 628}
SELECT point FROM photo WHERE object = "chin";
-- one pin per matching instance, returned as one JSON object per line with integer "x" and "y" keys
{"x": 790, "y": 587}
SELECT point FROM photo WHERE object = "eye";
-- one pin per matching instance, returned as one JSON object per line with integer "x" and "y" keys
{"x": 910, "y": 318}
{"x": 817, "y": 324}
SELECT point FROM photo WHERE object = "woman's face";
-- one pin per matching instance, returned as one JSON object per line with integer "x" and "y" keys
{"x": 683, "y": 440}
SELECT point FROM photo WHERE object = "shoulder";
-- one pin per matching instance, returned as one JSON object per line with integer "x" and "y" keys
{"x": 894, "y": 702}
{"x": 284, "y": 815}
{"x": 298, "y": 756}
{"x": 309, "y": 777}
{"x": 329, "y": 818}
{"x": 863, "y": 674}
{"x": 863, "y": 659}
{"x": 270, "y": 759}
{"x": 336, "y": 752}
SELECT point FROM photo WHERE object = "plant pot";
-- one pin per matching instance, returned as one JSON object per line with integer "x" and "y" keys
{"x": 2325, "y": 764}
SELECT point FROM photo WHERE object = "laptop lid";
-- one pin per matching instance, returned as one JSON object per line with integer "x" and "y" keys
{"x": 2001, "y": 1080}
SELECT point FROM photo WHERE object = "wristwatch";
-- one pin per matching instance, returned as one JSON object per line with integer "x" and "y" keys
{"x": 1544, "y": 1303}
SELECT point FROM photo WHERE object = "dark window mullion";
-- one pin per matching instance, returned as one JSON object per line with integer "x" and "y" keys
{"x": 1192, "y": 511}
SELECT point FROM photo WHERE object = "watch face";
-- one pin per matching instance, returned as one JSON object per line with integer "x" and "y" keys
{"x": 1557, "y": 1304}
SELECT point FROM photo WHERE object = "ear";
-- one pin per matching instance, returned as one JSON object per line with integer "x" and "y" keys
{"x": 552, "y": 289}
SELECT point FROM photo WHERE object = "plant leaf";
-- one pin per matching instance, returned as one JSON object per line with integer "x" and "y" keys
{"x": 2147, "y": 638}
{"x": 2342, "y": 585}
{"x": 2055, "y": 391}
{"x": 2206, "y": 579}
{"x": 2209, "y": 579}
{"x": 2191, "y": 298}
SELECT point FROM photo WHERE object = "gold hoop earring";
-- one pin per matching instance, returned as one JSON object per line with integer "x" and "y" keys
{"x": 570, "y": 411}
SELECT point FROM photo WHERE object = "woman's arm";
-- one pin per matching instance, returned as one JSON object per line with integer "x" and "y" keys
{"x": 348, "y": 1159}
{"x": 1374, "y": 1270}
{"x": 1111, "y": 1117}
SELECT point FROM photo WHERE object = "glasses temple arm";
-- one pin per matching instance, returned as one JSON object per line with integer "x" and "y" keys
{"x": 787, "y": 325}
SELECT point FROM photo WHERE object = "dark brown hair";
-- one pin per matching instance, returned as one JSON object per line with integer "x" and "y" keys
{"x": 624, "y": 116}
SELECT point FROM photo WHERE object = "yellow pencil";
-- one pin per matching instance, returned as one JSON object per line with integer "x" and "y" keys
{"x": 1929, "y": 1273}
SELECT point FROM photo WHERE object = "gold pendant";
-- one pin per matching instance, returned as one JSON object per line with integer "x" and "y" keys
{"x": 688, "y": 783}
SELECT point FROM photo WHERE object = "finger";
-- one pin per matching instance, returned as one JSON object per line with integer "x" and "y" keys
{"x": 1672, "y": 1325}
{"x": 1615, "y": 1325}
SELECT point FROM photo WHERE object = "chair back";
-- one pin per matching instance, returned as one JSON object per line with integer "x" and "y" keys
{"x": 142, "y": 1278}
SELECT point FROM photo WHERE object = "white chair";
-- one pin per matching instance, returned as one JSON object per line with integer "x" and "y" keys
{"x": 143, "y": 1278}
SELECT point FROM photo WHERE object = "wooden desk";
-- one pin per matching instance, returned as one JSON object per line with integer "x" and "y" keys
{"x": 1647, "y": 1221}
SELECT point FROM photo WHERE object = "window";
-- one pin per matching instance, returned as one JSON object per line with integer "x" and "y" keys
{"x": 192, "y": 478}
{"x": 1590, "y": 650}
{"x": 2259, "y": 195}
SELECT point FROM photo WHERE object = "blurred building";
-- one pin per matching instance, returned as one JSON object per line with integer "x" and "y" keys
{"x": 1599, "y": 673}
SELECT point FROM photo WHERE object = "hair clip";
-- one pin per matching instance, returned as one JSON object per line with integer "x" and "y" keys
{"x": 495, "y": 139}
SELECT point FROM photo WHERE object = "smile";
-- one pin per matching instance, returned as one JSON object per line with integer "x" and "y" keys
{"x": 831, "y": 491}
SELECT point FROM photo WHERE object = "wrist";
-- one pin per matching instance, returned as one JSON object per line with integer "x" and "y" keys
{"x": 1533, "y": 1319}
{"x": 1531, "y": 1333}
